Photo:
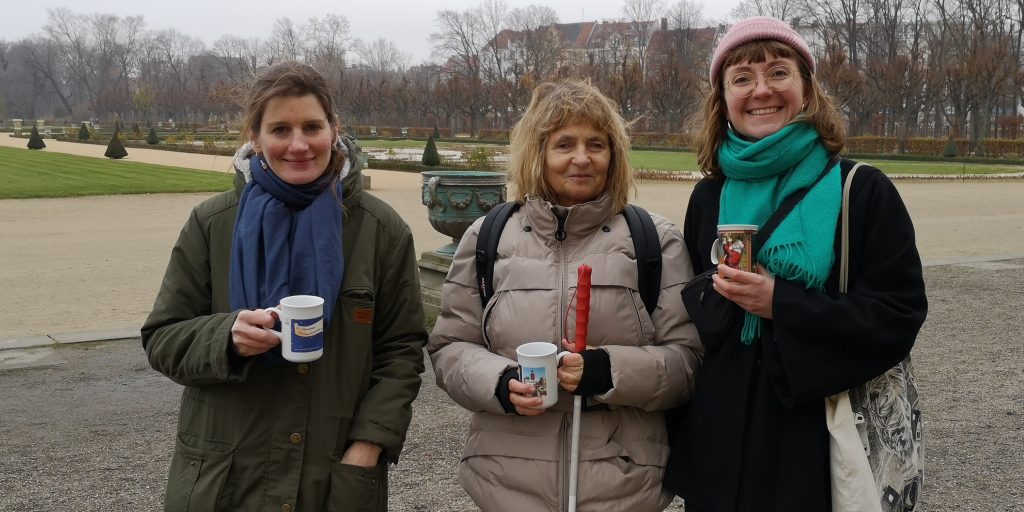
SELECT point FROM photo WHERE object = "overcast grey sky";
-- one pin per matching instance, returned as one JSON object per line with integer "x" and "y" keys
{"x": 406, "y": 22}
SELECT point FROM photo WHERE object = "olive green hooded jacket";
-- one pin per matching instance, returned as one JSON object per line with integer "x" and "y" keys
{"x": 258, "y": 437}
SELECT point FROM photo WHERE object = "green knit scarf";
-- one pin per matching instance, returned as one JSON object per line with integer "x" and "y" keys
{"x": 760, "y": 175}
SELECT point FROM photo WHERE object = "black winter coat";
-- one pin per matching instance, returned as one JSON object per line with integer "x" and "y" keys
{"x": 753, "y": 436}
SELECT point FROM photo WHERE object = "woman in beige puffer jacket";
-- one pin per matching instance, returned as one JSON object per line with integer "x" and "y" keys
{"x": 570, "y": 167}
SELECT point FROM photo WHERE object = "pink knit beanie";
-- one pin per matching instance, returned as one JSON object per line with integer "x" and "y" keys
{"x": 753, "y": 29}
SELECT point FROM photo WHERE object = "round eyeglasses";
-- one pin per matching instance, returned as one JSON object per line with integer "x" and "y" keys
{"x": 778, "y": 79}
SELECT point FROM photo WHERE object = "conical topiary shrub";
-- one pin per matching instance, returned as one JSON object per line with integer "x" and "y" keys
{"x": 437, "y": 133}
{"x": 83, "y": 133}
{"x": 152, "y": 139}
{"x": 136, "y": 131}
{"x": 950, "y": 150}
{"x": 35, "y": 141}
{"x": 430, "y": 156}
{"x": 115, "y": 149}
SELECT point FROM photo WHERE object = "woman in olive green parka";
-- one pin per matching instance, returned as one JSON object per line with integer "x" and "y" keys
{"x": 256, "y": 432}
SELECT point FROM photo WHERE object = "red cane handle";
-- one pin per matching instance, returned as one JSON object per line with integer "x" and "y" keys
{"x": 582, "y": 307}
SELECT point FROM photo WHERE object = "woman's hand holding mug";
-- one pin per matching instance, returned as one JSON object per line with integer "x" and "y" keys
{"x": 752, "y": 291}
{"x": 525, "y": 398}
{"x": 249, "y": 336}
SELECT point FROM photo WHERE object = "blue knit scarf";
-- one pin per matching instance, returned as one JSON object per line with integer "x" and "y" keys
{"x": 287, "y": 241}
{"x": 761, "y": 174}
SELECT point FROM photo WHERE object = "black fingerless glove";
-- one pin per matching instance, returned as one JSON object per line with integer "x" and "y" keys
{"x": 597, "y": 373}
{"x": 502, "y": 393}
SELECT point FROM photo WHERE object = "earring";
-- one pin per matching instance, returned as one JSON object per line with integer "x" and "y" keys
{"x": 804, "y": 109}
{"x": 263, "y": 162}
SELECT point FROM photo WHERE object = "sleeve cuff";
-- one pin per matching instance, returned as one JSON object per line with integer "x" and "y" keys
{"x": 597, "y": 373}
{"x": 502, "y": 393}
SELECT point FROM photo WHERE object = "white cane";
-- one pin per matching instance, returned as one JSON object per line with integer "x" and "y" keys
{"x": 574, "y": 455}
{"x": 582, "y": 319}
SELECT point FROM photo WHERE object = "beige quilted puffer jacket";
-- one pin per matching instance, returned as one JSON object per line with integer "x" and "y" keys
{"x": 518, "y": 463}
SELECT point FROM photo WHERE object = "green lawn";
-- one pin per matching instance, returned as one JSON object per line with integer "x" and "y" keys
{"x": 27, "y": 173}
{"x": 687, "y": 161}
{"x": 396, "y": 144}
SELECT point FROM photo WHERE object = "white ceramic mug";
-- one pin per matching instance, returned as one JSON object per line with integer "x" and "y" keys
{"x": 538, "y": 366}
{"x": 302, "y": 327}
{"x": 735, "y": 246}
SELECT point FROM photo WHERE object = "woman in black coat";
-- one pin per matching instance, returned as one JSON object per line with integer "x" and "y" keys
{"x": 754, "y": 435}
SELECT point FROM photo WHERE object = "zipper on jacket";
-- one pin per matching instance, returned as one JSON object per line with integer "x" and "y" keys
{"x": 563, "y": 288}
{"x": 563, "y": 301}
{"x": 560, "y": 230}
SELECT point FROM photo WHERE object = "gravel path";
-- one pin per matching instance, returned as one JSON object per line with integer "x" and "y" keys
{"x": 95, "y": 429}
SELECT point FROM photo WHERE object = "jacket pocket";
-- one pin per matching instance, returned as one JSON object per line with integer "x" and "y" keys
{"x": 358, "y": 488}
{"x": 197, "y": 478}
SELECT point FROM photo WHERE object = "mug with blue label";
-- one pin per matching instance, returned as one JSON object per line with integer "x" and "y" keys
{"x": 302, "y": 327}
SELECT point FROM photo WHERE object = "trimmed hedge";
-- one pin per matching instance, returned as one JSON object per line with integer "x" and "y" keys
{"x": 115, "y": 149}
{"x": 35, "y": 141}
{"x": 430, "y": 155}
{"x": 919, "y": 147}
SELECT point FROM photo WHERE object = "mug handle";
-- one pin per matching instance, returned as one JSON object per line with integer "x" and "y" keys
{"x": 276, "y": 333}
{"x": 717, "y": 253}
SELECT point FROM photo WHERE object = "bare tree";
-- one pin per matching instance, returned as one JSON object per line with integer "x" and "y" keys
{"x": 643, "y": 16}
{"x": 286, "y": 40}
{"x": 459, "y": 40}
{"x": 328, "y": 39}
{"x": 167, "y": 69}
{"x": 241, "y": 57}
{"x": 382, "y": 55}
{"x": 42, "y": 58}
{"x": 679, "y": 60}
{"x": 781, "y": 9}
{"x": 537, "y": 41}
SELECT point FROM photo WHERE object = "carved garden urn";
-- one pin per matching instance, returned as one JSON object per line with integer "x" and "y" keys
{"x": 454, "y": 199}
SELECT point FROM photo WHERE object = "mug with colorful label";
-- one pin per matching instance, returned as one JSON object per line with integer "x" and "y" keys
{"x": 302, "y": 327}
{"x": 735, "y": 246}
{"x": 538, "y": 367}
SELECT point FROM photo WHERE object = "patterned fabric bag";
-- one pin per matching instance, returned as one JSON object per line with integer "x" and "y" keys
{"x": 888, "y": 419}
{"x": 877, "y": 436}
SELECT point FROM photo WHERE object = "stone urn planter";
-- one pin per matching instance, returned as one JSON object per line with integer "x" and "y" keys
{"x": 454, "y": 199}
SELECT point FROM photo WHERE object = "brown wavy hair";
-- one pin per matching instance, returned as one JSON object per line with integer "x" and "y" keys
{"x": 555, "y": 105}
{"x": 291, "y": 79}
{"x": 820, "y": 112}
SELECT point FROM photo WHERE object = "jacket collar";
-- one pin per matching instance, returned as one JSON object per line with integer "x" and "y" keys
{"x": 581, "y": 219}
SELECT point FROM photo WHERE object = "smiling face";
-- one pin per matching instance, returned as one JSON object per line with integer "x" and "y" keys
{"x": 295, "y": 137}
{"x": 765, "y": 111}
{"x": 576, "y": 160}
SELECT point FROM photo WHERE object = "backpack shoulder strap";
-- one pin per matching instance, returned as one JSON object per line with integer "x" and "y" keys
{"x": 487, "y": 247}
{"x": 647, "y": 247}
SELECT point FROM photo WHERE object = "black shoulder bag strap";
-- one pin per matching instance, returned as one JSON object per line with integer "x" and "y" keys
{"x": 487, "y": 247}
{"x": 647, "y": 247}
{"x": 762, "y": 235}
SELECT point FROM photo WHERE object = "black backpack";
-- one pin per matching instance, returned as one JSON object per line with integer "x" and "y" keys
{"x": 646, "y": 245}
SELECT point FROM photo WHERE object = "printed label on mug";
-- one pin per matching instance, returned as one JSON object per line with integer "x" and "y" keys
{"x": 535, "y": 376}
{"x": 307, "y": 335}
{"x": 735, "y": 246}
